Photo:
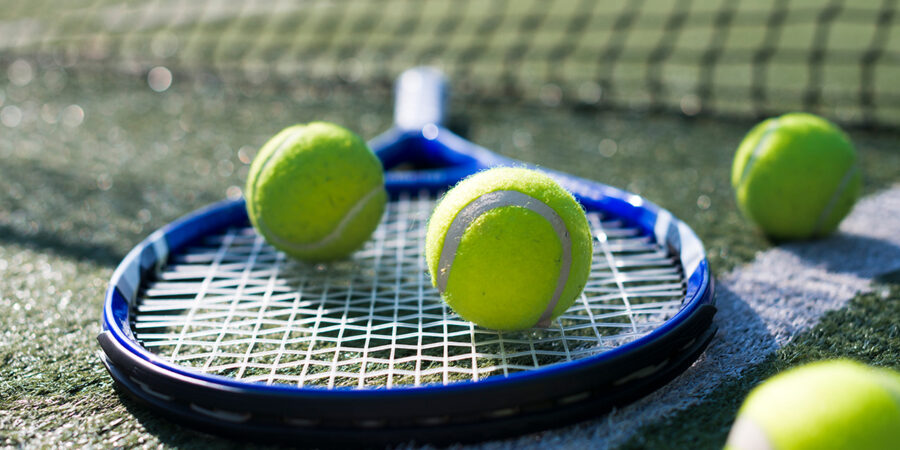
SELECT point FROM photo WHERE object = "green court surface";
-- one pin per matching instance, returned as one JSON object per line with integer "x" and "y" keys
{"x": 94, "y": 159}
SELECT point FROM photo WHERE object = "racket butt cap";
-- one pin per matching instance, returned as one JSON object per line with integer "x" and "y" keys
{"x": 421, "y": 98}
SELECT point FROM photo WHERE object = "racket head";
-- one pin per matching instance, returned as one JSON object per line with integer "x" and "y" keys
{"x": 516, "y": 402}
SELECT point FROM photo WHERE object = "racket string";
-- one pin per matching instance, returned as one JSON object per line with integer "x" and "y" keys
{"x": 602, "y": 238}
{"x": 233, "y": 306}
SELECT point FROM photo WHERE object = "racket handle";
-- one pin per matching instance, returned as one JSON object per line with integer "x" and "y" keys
{"x": 420, "y": 98}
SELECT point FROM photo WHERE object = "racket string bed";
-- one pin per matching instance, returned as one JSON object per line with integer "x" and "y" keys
{"x": 231, "y": 305}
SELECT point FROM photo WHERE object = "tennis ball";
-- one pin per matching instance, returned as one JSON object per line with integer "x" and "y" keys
{"x": 826, "y": 405}
{"x": 508, "y": 249}
{"x": 315, "y": 191}
{"x": 796, "y": 176}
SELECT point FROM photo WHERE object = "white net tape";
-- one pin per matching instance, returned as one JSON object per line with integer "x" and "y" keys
{"x": 234, "y": 306}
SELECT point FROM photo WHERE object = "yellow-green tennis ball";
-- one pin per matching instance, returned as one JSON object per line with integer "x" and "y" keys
{"x": 508, "y": 249}
{"x": 315, "y": 191}
{"x": 796, "y": 176}
{"x": 825, "y": 405}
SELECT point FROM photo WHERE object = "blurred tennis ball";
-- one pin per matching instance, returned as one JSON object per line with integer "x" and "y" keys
{"x": 508, "y": 249}
{"x": 826, "y": 405}
{"x": 796, "y": 176}
{"x": 315, "y": 191}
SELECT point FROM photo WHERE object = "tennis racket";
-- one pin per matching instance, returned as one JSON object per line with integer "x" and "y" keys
{"x": 207, "y": 324}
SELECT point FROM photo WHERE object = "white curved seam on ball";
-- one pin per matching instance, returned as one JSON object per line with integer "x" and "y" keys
{"x": 832, "y": 202}
{"x": 281, "y": 146}
{"x": 330, "y": 237}
{"x": 265, "y": 164}
{"x": 895, "y": 393}
{"x": 499, "y": 199}
{"x": 747, "y": 435}
{"x": 751, "y": 160}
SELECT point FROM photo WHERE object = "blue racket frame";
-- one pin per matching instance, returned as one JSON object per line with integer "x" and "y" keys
{"x": 417, "y": 137}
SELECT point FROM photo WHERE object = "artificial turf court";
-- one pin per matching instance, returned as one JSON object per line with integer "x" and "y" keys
{"x": 94, "y": 159}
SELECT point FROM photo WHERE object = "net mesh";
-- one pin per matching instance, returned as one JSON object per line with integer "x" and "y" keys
{"x": 233, "y": 306}
{"x": 721, "y": 57}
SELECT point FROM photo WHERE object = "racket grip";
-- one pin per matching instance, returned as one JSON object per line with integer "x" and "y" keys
{"x": 420, "y": 98}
